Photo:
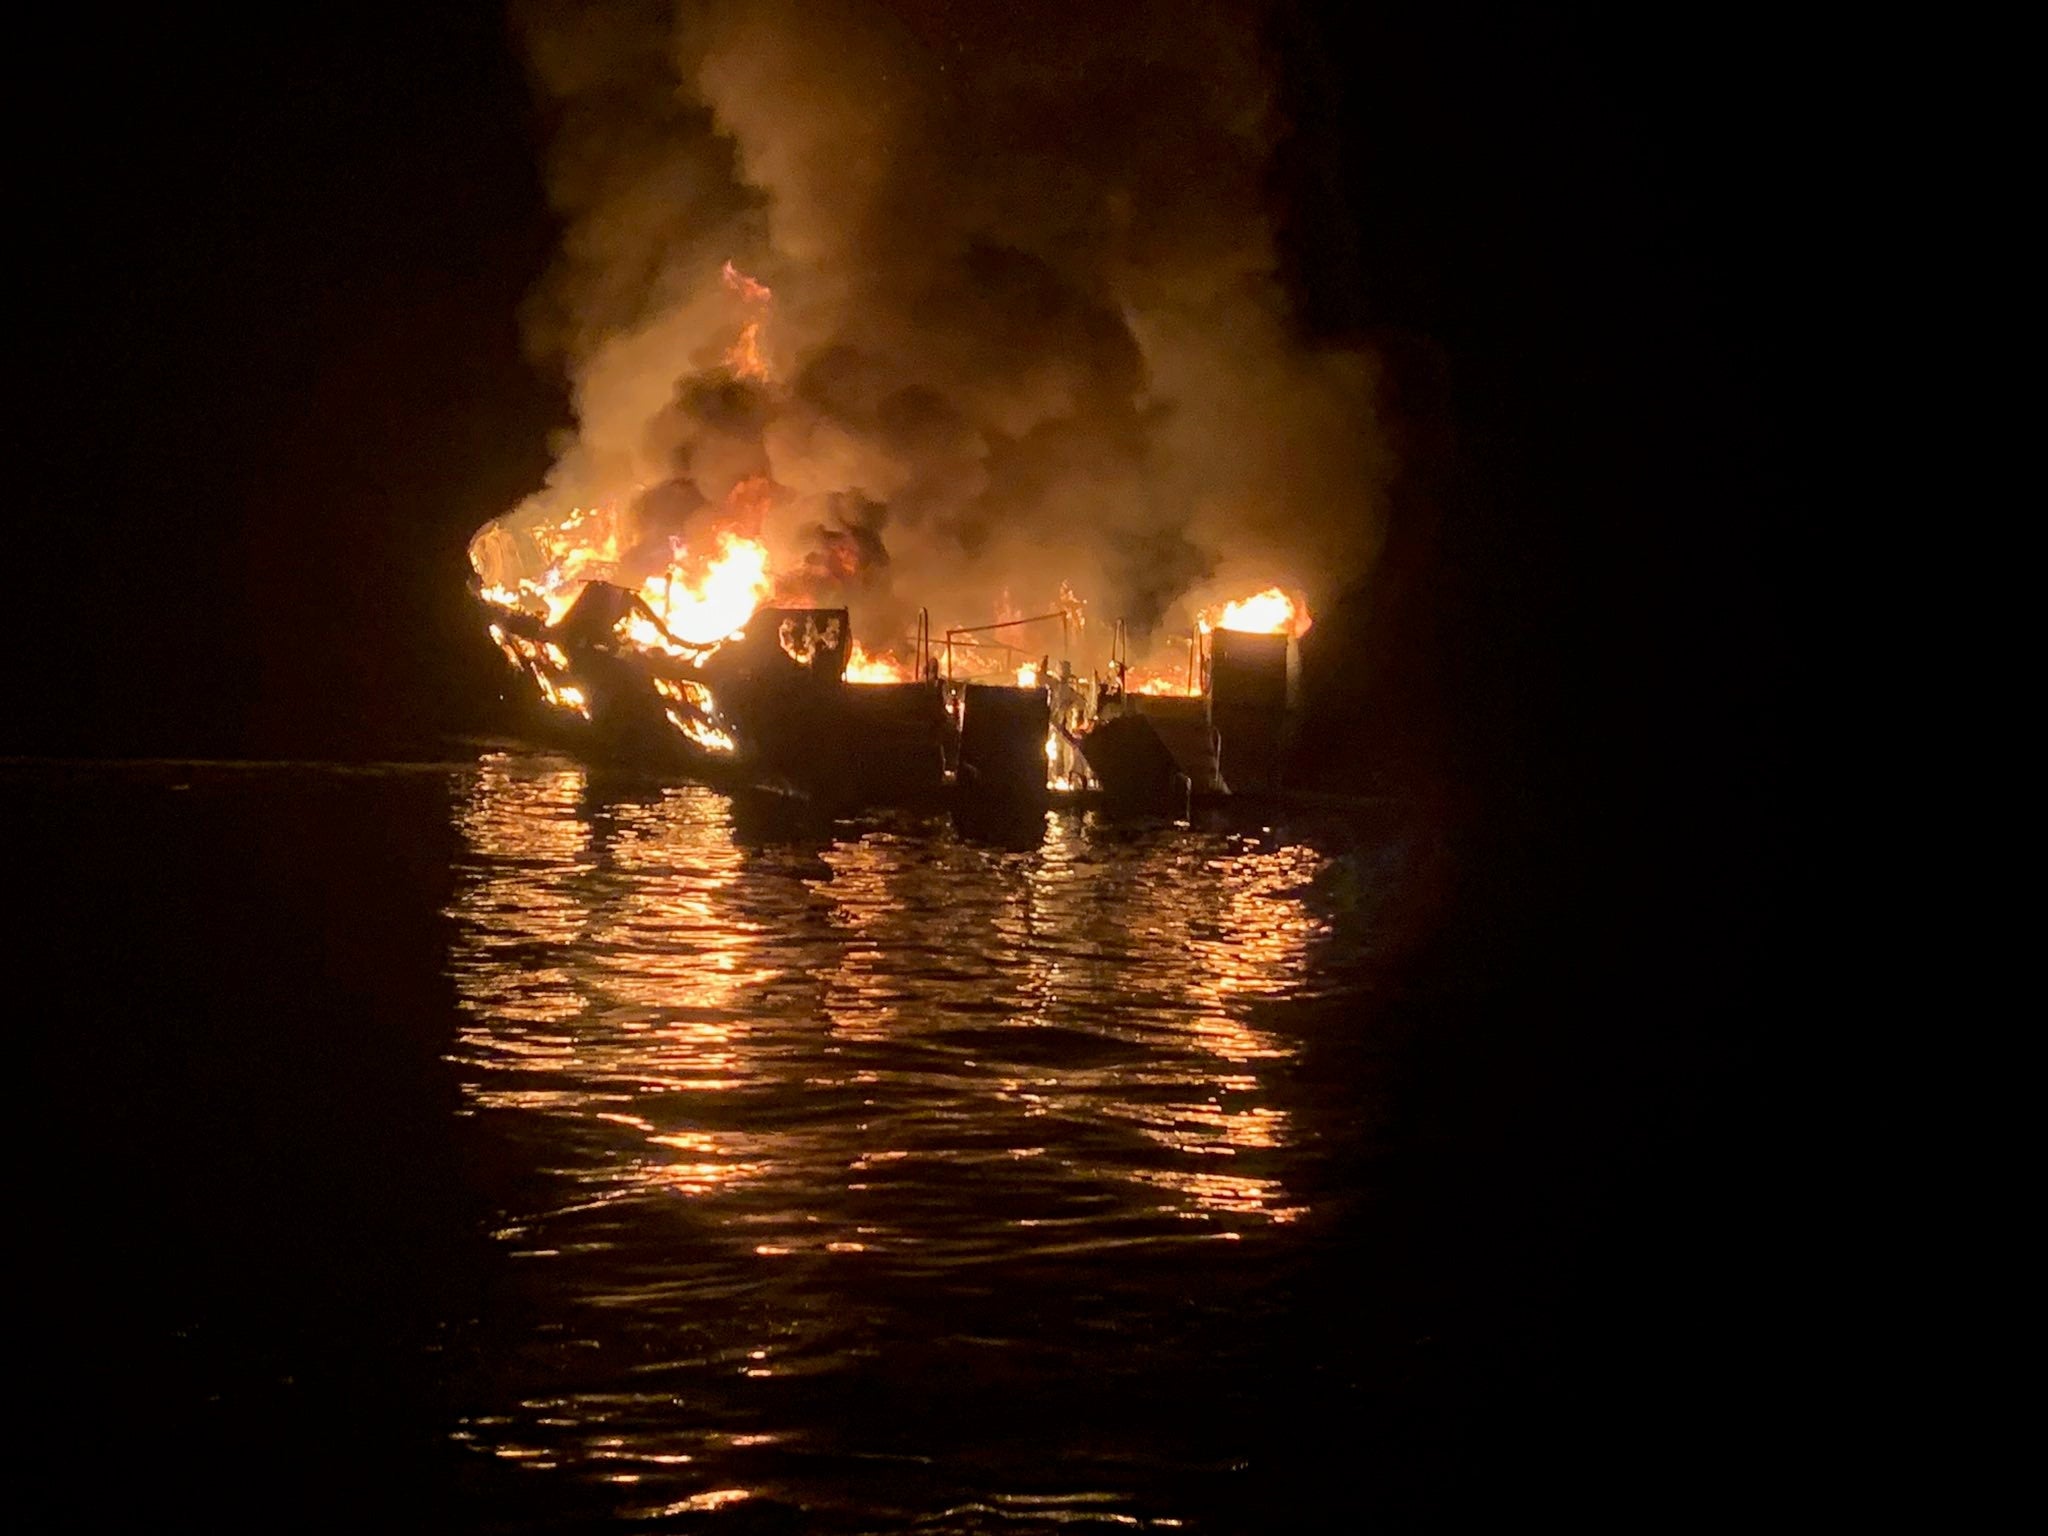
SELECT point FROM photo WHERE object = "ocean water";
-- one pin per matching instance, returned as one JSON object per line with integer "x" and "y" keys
{"x": 495, "y": 1144}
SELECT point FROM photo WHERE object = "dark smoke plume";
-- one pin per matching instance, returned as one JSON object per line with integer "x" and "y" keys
{"x": 1025, "y": 324}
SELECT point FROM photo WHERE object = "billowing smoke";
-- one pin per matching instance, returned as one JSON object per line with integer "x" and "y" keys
{"x": 1025, "y": 324}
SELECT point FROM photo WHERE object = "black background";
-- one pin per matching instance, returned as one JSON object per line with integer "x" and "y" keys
{"x": 268, "y": 347}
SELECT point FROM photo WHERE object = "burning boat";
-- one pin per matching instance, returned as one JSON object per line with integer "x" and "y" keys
{"x": 695, "y": 671}
{"x": 661, "y": 630}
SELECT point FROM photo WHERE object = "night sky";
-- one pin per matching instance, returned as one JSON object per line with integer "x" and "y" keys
{"x": 274, "y": 378}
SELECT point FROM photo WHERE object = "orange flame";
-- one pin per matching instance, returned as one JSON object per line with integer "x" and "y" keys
{"x": 699, "y": 600}
{"x": 1159, "y": 685}
{"x": 1074, "y": 606}
{"x": 549, "y": 667}
{"x": 718, "y": 601}
{"x": 582, "y": 547}
{"x": 747, "y": 288}
{"x": 1271, "y": 612}
{"x": 703, "y": 733}
{"x": 744, "y": 357}
{"x": 885, "y": 668}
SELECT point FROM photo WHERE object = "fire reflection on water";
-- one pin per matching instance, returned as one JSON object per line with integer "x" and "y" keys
{"x": 903, "y": 1053}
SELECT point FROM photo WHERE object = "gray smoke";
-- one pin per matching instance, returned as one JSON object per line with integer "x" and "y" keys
{"x": 1025, "y": 326}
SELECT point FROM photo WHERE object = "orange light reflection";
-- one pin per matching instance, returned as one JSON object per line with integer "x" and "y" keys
{"x": 901, "y": 1049}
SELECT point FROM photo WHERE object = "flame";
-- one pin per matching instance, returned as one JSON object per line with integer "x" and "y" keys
{"x": 1074, "y": 606}
{"x": 863, "y": 668}
{"x": 1159, "y": 685}
{"x": 698, "y": 601}
{"x": 694, "y": 714}
{"x": 640, "y": 631}
{"x": 707, "y": 736}
{"x": 1271, "y": 612}
{"x": 562, "y": 695}
{"x": 717, "y": 602}
{"x": 1027, "y": 675}
{"x": 744, "y": 357}
{"x": 582, "y": 546}
{"x": 548, "y": 664}
{"x": 749, "y": 289}
{"x": 683, "y": 690}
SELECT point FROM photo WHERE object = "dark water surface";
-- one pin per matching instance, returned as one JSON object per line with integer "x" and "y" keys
{"x": 492, "y": 1145}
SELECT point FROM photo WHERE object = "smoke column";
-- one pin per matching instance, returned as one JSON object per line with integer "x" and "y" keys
{"x": 1025, "y": 324}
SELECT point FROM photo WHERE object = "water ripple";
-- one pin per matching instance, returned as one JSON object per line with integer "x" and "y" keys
{"x": 822, "y": 1129}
